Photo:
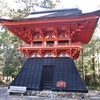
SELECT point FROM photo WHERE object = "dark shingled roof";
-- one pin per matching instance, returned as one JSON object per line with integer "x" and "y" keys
{"x": 56, "y": 13}
{"x": 75, "y": 12}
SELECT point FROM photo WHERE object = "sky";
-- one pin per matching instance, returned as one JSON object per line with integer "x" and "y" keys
{"x": 84, "y": 5}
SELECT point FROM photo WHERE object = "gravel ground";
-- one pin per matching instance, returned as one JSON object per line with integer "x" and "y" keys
{"x": 4, "y": 95}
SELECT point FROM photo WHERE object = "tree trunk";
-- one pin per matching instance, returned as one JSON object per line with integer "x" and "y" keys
{"x": 98, "y": 66}
{"x": 83, "y": 70}
{"x": 93, "y": 68}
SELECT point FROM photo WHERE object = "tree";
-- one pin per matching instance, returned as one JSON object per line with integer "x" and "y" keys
{"x": 4, "y": 12}
{"x": 29, "y": 5}
{"x": 88, "y": 63}
{"x": 12, "y": 60}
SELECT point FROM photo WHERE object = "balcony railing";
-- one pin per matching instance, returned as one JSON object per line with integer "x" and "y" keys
{"x": 52, "y": 45}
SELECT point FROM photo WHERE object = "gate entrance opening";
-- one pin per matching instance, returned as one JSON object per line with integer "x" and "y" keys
{"x": 47, "y": 77}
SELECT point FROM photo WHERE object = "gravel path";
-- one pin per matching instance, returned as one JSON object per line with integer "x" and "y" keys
{"x": 92, "y": 95}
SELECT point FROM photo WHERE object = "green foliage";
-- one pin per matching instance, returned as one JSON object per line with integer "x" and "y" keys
{"x": 19, "y": 14}
{"x": 4, "y": 8}
{"x": 89, "y": 64}
{"x": 12, "y": 60}
{"x": 94, "y": 87}
{"x": 30, "y": 4}
{"x": 1, "y": 83}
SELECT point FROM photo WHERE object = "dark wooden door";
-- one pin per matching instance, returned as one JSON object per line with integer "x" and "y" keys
{"x": 47, "y": 77}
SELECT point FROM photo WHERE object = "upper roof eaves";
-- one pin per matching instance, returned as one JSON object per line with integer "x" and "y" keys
{"x": 59, "y": 13}
{"x": 54, "y": 13}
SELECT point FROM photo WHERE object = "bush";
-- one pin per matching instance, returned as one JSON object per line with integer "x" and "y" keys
{"x": 1, "y": 83}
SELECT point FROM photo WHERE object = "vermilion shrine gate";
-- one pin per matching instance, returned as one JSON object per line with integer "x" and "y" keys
{"x": 53, "y": 40}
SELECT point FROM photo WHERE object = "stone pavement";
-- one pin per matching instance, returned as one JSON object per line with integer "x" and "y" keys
{"x": 92, "y": 95}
